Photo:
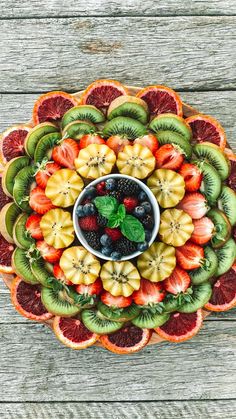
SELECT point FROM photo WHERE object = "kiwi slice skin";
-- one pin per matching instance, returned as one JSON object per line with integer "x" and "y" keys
{"x": 227, "y": 204}
{"x": 45, "y": 146}
{"x": 10, "y": 172}
{"x": 20, "y": 236}
{"x": 222, "y": 228}
{"x": 169, "y": 137}
{"x": 22, "y": 266}
{"x": 131, "y": 110}
{"x": 40, "y": 271}
{"x": 83, "y": 112}
{"x": 125, "y": 127}
{"x": 226, "y": 256}
{"x": 97, "y": 323}
{"x": 201, "y": 295}
{"x": 215, "y": 157}
{"x": 56, "y": 303}
{"x": 207, "y": 270}
{"x": 147, "y": 320}
{"x": 36, "y": 134}
{"x": 120, "y": 315}
{"x": 77, "y": 129}
{"x": 8, "y": 216}
{"x": 24, "y": 182}
{"x": 211, "y": 183}
{"x": 169, "y": 122}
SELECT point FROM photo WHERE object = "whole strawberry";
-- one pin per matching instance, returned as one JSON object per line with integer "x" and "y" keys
{"x": 130, "y": 202}
{"x": 89, "y": 223}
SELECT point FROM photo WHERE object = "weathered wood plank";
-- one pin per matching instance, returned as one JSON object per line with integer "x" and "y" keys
{"x": 183, "y": 52}
{"x": 43, "y": 370}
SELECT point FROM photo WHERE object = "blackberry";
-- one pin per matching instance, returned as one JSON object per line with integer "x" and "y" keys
{"x": 148, "y": 222}
{"x": 117, "y": 194}
{"x": 125, "y": 246}
{"x": 93, "y": 239}
{"x": 128, "y": 187}
{"x": 102, "y": 221}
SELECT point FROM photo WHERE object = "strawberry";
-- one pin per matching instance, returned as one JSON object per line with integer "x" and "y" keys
{"x": 195, "y": 204}
{"x": 168, "y": 157}
{"x": 148, "y": 140}
{"x": 90, "y": 139}
{"x": 118, "y": 302}
{"x": 117, "y": 143}
{"x": 203, "y": 230}
{"x": 130, "y": 202}
{"x": 89, "y": 223}
{"x": 91, "y": 289}
{"x": 59, "y": 274}
{"x": 48, "y": 253}
{"x": 149, "y": 293}
{"x": 101, "y": 188}
{"x": 189, "y": 256}
{"x": 192, "y": 176}
{"x": 43, "y": 175}
{"x": 39, "y": 202}
{"x": 32, "y": 225}
{"x": 66, "y": 152}
{"x": 177, "y": 282}
{"x": 114, "y": 233}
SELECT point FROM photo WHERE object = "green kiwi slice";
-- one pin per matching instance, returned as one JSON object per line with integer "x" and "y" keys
{"x": 226, "y": 256}
{"x": 212, "y": 154}
{"x": 207, "y": 270}
{"x": 171, "y": 305}
{"x": 8, "y": 216}
{"x": 24, "y": 183}
{"x": 169, "y": 137}
{"x": 119, "y": 314}
{"x": 222, "y": 230}
{"x": 59, "y": 302}
{"x": 171, "y": 122}
{"x": 227, "y": 203}
{"x": 77, "y": 129}
{"x": 10, "y": 172}
{"x": 20, "y": 235}
{"x": 200, "y": 296}
{"x": 131, "y": 110}
{"x": 41, "y": 271}
{"x": 83, "y": 112}
{"x": 22, "y": 266}
{"x": 125, "y": 127}
{"x": 211, "y": 182}
{"x": 36, "y": 134}
{"x": 148, "y": 319}
{"x": 45, "y": 145}
{"x": 96, "y": 322}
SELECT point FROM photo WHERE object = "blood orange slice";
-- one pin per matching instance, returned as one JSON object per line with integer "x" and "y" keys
{"x": 161, "y": 99}
{"x": 26, "y": 299}
{"x": 102, "y": 92}
{"x": 181, "y": 326}
{"x": 52, "y": 106}
{"x": 12, "y": 142}
{"x": 6, "y": 250}
{"x": 4, "y": 199}
{"x": 73, "y": 333}
{"x": 128, "y": 340}
{"x": 206, "y": 128}
{"x": 224, "y": 292}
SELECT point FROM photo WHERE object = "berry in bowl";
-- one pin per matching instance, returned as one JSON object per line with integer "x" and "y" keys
{"x": 116, "y": 217}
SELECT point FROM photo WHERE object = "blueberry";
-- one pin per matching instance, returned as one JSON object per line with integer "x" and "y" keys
{"x": 142, "y": 246}
{"x": 80, "y": 211}
{"x": 142, "y": 196}
{"x": 90, "y": 192}
{"x": 89, "y": 209}
{"x": 106, "y": 251}
{"x": 147, "y": 206}
{"x": 105, "y": 240}
{"x": 148, "y": 235}
{"x": 139, "y": 211}
{"x": 116, "y": 255}
{"x": 110, "y": 184}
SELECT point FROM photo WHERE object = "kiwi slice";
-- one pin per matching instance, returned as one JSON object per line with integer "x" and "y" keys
{"x": 42, "y": 272}
{"x": 227, "y": 203}
{"x": 125, "y": 127}
{"x": 171, "y": 305}
{"x": 148, "y": 319}
{"x": 22, "y": 266}
{"x": 207, "y": 270}
{"x": 222, "y": 230}
{"x": 36, "y": 134}
{"x": 212, "y": 153}
{"x": 8, "y": 216}
{"x": 211, "y": 182}
{"x": 59, "y": 302}
{"x": 95, "y": 321}
{"x": 77, "y": 129}
{"x": 24, "y": 183}
{"x": 131, "y": 110}
{"x": 200, "y": 296}
{"x": 119, "y": 314}
{"x": 169, "y": 137}
{"x": 45, "y": 145}
{"x": 20, "y": 234}
{"x": 10, "y": 172}
{"x": 83, "y": 112}
{"x": 171, "y": 122}
{"x": 226, "y": 256}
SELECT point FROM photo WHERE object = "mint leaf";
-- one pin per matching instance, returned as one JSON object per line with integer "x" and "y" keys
{"x": 121, "y": 212}
{"x": 132, "y": 229}
{"x": 106, "y": 205}
{"x": 113, "y": 221}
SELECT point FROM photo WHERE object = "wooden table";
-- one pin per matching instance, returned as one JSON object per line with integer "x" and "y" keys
{"x": 66, "y": 44}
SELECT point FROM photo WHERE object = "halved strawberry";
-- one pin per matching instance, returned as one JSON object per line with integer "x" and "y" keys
{"x": 169, "y": 157}
{"x": 149, "y": 293}
{"x": 39, "y": 202}
{"x": 203, "y": 230}
{"x": 192, "y": 176}
{"x": 66, "y": 153}
{"x": 90, "y": 139}
{"x": 32, "y": 225}
{"x": 48, "y": 253}
{"x": 119, "y": 302}
{"x": 91, "y": 289}
{"x": 189, "y": 256}
{"x": 178, "y": 281}
{"x": 195, "y": 204}
{"x": 117, "y": 143}
{"x": 43, "y": 175}
{"x": 148, "y": 140}
{"x": 59, "y": 274}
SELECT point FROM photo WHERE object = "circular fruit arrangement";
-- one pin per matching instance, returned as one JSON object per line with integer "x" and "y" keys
{"x": 117, "y": 216}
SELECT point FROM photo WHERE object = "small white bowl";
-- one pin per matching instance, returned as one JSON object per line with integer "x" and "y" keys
{"x": 153, "y": 202}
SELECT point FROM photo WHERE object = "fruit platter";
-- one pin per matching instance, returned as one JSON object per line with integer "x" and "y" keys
{"x": 117, "y": 216}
